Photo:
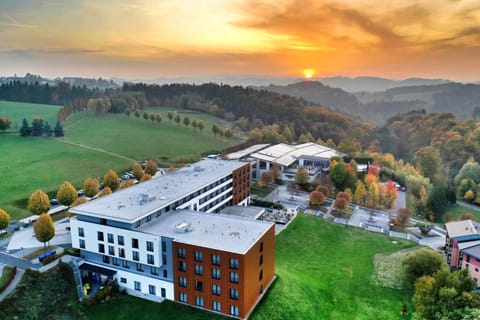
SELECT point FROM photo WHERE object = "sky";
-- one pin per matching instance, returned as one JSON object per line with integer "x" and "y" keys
{"x": 146, "y": 39}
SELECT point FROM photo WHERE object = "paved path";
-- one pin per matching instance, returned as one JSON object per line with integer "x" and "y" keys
{"x": 14, "y": 261}
{"x": 468, "y": 205}
{"x": 12, "y": 285}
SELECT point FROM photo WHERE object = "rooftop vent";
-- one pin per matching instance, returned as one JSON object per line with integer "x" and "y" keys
{"x": 198, "y": 169}
{"x": 183, "y": 227}
{"x": 144, "y": 198}
{"x": 234, "y": 234}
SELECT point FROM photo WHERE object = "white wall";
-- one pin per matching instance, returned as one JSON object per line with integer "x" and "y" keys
{"x": 145, "y": 281}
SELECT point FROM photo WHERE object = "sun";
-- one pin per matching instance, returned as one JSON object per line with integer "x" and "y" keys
{"x": 308, "y": 73}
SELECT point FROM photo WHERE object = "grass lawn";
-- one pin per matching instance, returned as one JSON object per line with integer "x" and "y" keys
{"x": 458, "y": 209}
{"x": 325, "y": 271}
{"x": 16, "y": 111}
{"x": 6, "y": 272}
{"x": 92, "y": 145}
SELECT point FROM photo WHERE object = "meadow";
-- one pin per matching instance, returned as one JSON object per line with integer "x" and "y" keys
{"x": 91, "y": 146}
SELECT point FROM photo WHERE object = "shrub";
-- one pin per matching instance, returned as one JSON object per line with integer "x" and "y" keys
{"x": 340, "y": 204}
{"x": 317, "y": 198}
{"x": 49, "y": 259}
{"x": 323, "y": 189}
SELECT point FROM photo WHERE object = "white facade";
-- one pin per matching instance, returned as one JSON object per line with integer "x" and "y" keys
{"x": 127, "y": 280}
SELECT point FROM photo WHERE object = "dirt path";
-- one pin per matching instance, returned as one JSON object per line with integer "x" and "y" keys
{"x": 98, "y": 150}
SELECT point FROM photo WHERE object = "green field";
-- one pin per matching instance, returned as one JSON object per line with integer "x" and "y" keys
{"x": 458, "y": 209}
{"x": 16, "y": 111}
{"x": 92, "y": 145}
{"x": 324, "y": 271}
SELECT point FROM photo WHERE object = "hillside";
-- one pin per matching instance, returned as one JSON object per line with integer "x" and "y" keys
{"x": 378, "y": 107}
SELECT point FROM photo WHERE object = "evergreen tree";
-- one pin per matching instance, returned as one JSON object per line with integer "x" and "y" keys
{"x": 58, "y": 131}
{"x": 25, "y": 130}
{"x": 37, "y": 126}
{"x": 47, "y": 130}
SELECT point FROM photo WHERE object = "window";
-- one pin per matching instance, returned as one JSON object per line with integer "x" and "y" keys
{"x": 152, "y": 290}
{"x": 198, "y": 256}
{"x": 164, "y": 257}
{"x": 110, "y": 237}
{"x": 233, "y": 294}
{"x": 215, "y": 273}
{"x": 123, "y": 280}
{"x": 136, "y": 256}
{"x": 182, "y": 266}
{"x": 233, "y": 277}
{"x": 115, "y": 261}
{"x": 198, "y": 285}
{"x": 198, "y": 269}
{"x": 233, "y": 263}
{"x": 215, "y": 289}
{"x": 182, "y": 297}
{"x": 125, "y": 264}
{"x": 216, "y": 306}
{"x": 215, "y": 259}
{"x": 476, "y": 269}
{"x": 260, "y": 291}
{"x": 260, "y": 276}
{"x": 134, "y": 243}
{"x": 199, "y": 301}
{"x": 181, "y": 252}
{"x": 100, "y": 235}
{"x": 150, "y": 259}
{"x": 150, "y": 246}
{"x": 261, "y": 247}
{"x": 154, "y": 271}
{"x": 233, "y": 310}
{"x": 121, "y": 252}
{"x": 138, "y": 223}
{"x": 468, "y": 258}
{"x": 164, "y": 246}
{"x": 101, "y": 248}
{"x": 121, "y": 240}
{"x": 139, "y": 267}
{"x": 149, "y": 218}
{"x": 81, "y": 232}
{"x": 163, "y": 292}
{"x": 111, "y": 250}
{"x": 82, "y": 244}
{"x": 106, "y": 259}
{"x": 137, "y": 285}
{"x": 261, "y": 260}
{"x": 182, "y": 282}
{"x": 165, "y": 273}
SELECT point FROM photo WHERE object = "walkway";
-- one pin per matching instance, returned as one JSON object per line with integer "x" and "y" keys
{"x": 97, "y": 149}
{"x": 12, "y": 285}
{"x": 16, "y": 262}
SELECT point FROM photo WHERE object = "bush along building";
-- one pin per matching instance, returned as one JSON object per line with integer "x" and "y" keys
{"x": 162, "y": 239}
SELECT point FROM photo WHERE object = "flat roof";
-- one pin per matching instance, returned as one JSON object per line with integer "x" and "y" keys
{"x": 285, "y": 154}
{"x": 465, "y": 245}
{"x": 473, "y": 251}
{"x": 252, "y": 212}
{"x": 460, "y": 228}
{"x": 245, "y": 152}
{"x": 210, "y": 230}
{"x": 133, "y": 203}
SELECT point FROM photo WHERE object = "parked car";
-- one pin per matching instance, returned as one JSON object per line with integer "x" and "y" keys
{"x": 80, "y": 193}
{"x": 54, "y": 202}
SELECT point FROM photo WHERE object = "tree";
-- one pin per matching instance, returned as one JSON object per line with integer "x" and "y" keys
{"x": 37, "y": 126}
{"x": 360, "y": 193}
{"x": 470, "y": 170}
{"x": 469, "y": 196}
{"x": 79, "y": 201}
{"x": 151, "y": 167}
{"x": 228, "y": 133}
{"x": 145, "y": 115}
{"x": 91, "y": 187}
{"x": 340, "y": 204}
{"x": 338, "y": 173}
{"x": 137, "y": 114}
{"x": 317, "y": 198}
{"x": 437, "y": 199}
{"x": 267, "y": 177}
{"x": 127, "y": 183}
{"x": 466, "y": 216}
{"x": 67, "y": 194}
{"x": 178, "y": 119}
{"x": 170, "y": 116}
{"x": 38, "y": 202}
{"x": 276, "y": 171}
{"x": 158, "y": 118}
{"x": 215, "y": 129}
{"x": 5, "y": 123}
{"x": 200, "y": 125}
{"x": 128, "y": 112}
{"x": 186, "y": 121}
{"x": 111, "y": 180}
{"x": 323, "y": 189}
{"x": 58, "y": 130}
{"x": 429, "y": 163}
{"x": 152, "y": 117}
{"x": 47, "y": 129}
{"x": 146, "y": 177}
{"x": 302, "y": 176}
{"x": 44, "y": 228}
{"x": 422, "y": 262}
{"x": 137, "y": 171}
{"x": 25, "y": 130}
{"x": 105, "y": 191}
{"x": 4, "y": 220}
{"x": 403, "y": 215}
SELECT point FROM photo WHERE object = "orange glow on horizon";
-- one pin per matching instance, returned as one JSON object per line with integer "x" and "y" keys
{"x": 308, "y": 73}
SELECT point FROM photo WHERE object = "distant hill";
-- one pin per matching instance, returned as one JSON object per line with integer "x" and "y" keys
{"x": 376, "y": 107}
{"x": 372, "y": 84}
{"x": 90, "y": 83}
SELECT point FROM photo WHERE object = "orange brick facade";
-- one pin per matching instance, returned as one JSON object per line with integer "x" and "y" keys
{"x": 211, "y": 282}
{"x": 241, "y": 184}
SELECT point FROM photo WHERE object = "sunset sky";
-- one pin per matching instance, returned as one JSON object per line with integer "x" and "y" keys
{"x": 163, "y": 38}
